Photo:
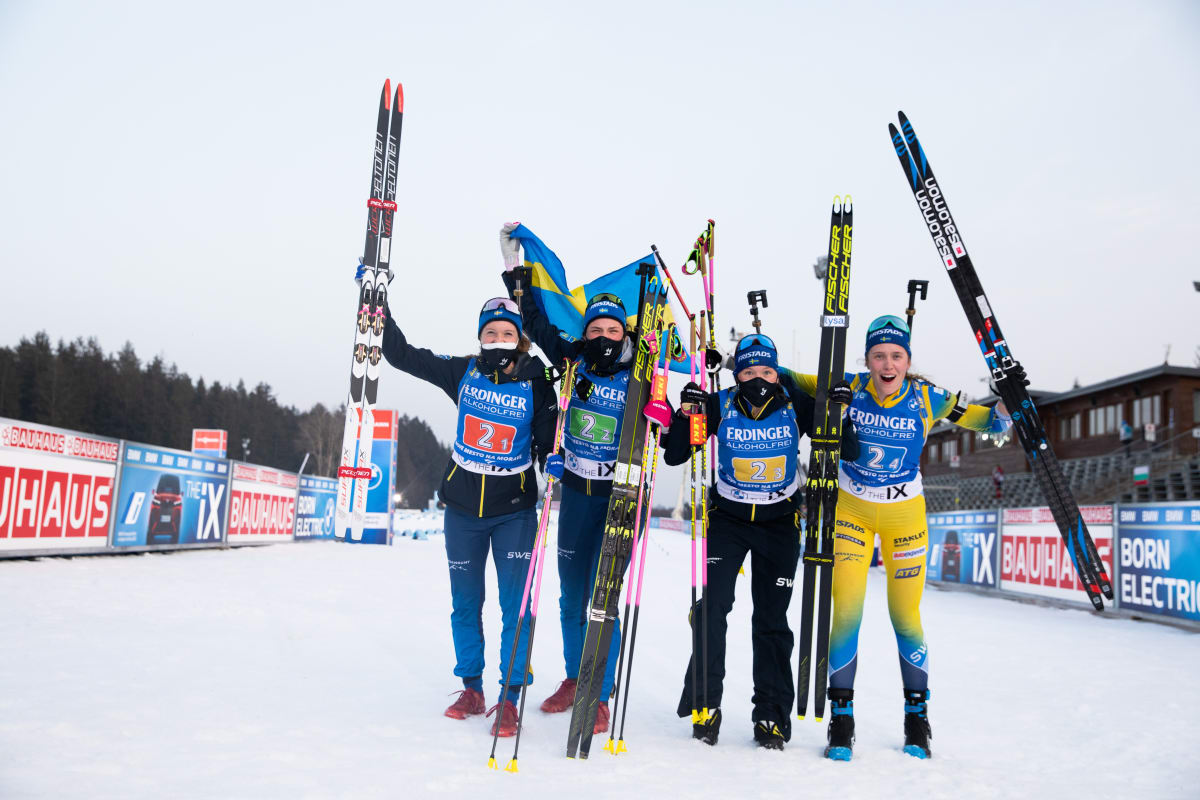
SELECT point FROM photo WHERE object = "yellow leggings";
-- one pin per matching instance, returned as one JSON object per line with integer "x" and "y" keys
{"x": 903, "y": 539}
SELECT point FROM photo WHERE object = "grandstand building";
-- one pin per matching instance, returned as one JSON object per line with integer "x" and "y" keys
{"x": 1161, "y": 404}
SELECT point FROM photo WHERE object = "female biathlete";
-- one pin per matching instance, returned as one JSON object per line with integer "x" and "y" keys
{"x": 753, "y": 509}
{"x": 507, "y": 409}
{"x": 880, "y": 493}
{"x": 590, "y": 438}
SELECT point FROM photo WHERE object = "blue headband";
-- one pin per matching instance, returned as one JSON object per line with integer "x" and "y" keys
{"x": 755, "y": 351}
{"x": 604, "y": 307}
{"x": 888, "y": 330}
{"x": 503, "y": 314}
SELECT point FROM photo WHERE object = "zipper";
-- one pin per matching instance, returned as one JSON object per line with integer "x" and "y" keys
{"x": 482, "y": 487}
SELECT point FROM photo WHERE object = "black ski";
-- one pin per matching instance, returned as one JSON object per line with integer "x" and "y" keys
{"x": 621, "y": 521}
{"x": 1030, "y": 431}
{"x": 821, "y": 489}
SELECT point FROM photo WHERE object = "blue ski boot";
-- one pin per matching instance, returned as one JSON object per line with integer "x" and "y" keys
{"x": 916, "y": 723}
{"x": 841, "y": 724}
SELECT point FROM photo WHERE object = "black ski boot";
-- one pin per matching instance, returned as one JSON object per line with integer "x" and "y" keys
{"x": 768, "y": 734}
{"x": 707, "y": 731}
{"x": 916, "y": 723}
{"x": 841, "y": 724}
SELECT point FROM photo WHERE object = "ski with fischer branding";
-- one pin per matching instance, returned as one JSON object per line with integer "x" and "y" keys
{"x": 821, "y": 489}
{"x": 1031, "y": 432}
{"x": 622, "y": 520}
{"x": 354, "y": 469}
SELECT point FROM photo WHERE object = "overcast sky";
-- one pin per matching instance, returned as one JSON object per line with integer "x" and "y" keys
{"x": 192, "y": 178}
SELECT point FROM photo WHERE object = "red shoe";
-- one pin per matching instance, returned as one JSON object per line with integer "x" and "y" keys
{"x": 469, "y": 703}
{"x": 601, "y": 719}
{"x": 562, "y": 699}
{"x": 506, "y": 720}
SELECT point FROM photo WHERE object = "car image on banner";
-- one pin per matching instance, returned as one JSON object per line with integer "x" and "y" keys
{"x": 1033, "y": 559}
{"x": 169, "y": 497}
{"x": 963, "y": 548}
{"x": 1159, "y": 547}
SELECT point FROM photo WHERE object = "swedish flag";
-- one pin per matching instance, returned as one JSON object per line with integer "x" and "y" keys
{"x": 564, "y": 306}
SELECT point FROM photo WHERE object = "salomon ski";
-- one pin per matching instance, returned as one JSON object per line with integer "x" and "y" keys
{"x": 1030, "y": 431}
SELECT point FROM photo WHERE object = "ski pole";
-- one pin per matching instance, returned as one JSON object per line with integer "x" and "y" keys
{"x": 658, "y": 387}
{"x": 536, "y": 560}
{"x": 657, "y": 397}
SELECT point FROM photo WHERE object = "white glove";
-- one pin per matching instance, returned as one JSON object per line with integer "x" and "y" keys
{"x": 510, "y": 248}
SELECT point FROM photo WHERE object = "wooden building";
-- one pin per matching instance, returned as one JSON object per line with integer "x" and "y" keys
{"x": 1082, "y": 422}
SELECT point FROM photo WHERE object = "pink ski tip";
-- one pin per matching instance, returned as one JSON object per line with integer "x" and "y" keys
{"x": 400, "y": 97}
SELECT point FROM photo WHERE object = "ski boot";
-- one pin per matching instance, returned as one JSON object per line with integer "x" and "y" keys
{"x": 841, "y": 724}
{"x": 916, "y": 723}
{"x": 707, "y": 730}
{"x": 768, "y": 735}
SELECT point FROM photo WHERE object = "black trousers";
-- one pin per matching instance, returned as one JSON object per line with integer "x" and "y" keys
{"x": 774, "y": 548}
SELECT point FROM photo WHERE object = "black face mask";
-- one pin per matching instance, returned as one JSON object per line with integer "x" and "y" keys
{"x": 758, "y": 390}
{"x": 496, "y": 357}
{"x": 601, "y": 352}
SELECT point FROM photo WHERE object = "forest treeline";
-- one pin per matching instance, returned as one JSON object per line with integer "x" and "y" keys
{"x": 77, "y": 385}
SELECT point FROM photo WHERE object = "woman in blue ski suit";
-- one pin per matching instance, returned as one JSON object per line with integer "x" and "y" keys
{"x": 507, "y": 410}
{"x": 590, "y": 438}
{"x": 753, "y": 509}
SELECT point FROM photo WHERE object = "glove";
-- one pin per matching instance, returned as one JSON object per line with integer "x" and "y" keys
{"x": 583, "y": 389}
{"x": 841, "y": 393}
{"x": 361, "y": 272}
{"x": 692, "y": 396}
{"x": 554, "y": 466}
{"x": 510, "y": 248}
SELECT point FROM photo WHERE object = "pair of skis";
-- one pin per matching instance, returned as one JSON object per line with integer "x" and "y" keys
{"x": 821, "y": 490}
{"x": 1031, "y": 433}
{"x": 623, "y": 518}
{"x": 354, "y": 469}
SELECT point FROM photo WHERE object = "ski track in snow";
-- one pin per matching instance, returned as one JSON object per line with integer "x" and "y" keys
{"x": 321, "y": 670}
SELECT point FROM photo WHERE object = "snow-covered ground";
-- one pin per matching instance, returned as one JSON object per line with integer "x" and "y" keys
{"x": 321, "y": 670}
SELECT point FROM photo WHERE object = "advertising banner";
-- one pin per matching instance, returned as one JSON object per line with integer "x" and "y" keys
{"x": 1033, "y": 559}
{"x": 169, "y": 497}
{"x": 964, "y": 547}
{"x": 56, "y": 488}
{"x": 1159, "y": 552}
{"x": 315, "y": 508}
{"x": 262, "y": 504}
{"x": 380, "y": 491}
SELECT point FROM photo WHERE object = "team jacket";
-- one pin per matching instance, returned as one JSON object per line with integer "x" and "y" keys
{"x": 748, "y": 486}
{"x": 505, "y": 423}
{"x": 593, "y": 430}
{"x": 892, "y": 434}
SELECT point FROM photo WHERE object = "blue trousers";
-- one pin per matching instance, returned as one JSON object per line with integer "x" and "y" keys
{"x": 580, "y": 532}
{"x": 468, "y": 538}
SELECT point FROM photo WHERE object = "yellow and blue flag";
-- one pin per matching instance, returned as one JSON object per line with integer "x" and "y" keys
{"x": 564, "y": 306}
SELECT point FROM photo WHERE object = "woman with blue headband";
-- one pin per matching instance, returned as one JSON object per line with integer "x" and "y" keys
{"x": 880, "y": 494}
{"x": 752, "y": 511}
{"x": 507, "y": 410}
